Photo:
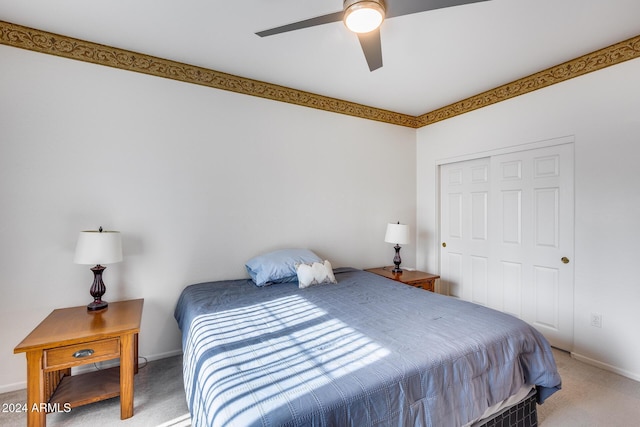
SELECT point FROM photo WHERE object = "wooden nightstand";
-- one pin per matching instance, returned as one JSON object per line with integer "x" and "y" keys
{"x": 419, "y": 279}
{"x": 71, "y": 337}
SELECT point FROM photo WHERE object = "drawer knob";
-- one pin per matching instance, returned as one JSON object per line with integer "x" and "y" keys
{"x": 83, "y": 353}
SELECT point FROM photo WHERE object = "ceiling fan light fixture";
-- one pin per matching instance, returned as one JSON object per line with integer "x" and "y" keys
{"x": 363, "y": 16}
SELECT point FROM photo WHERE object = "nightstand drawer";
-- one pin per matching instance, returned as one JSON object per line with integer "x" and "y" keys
{"x": 80, "y": 354}
{"x": 427, "y": 285}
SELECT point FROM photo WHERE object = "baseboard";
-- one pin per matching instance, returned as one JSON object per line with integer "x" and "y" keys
{"x": 181, "y": 421}
{"x": 7, "y": 388}
{"x": 159, "y": 356}
{"x": 605, "y": 366}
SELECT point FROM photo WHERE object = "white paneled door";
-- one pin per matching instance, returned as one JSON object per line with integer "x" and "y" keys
{"x": 465, "y": 229}
{"x": 507, "y": 236}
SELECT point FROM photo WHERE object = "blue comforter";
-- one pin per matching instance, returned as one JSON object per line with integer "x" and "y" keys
{"x": 366, "y": 351}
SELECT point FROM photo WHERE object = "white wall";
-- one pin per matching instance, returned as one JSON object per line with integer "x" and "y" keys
{"x": 197, "y": 180}
{"x": 601, "y": 111}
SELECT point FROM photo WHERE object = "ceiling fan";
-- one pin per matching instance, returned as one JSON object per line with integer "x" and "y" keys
{"x": 364, "y": 18}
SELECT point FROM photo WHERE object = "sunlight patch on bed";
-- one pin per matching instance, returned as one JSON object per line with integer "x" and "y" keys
{"x": 278, "y": 351}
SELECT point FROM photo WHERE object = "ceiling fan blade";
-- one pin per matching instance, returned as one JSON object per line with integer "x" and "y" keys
{"x": 407, "y": 7}
{"x": 312, "y": 22}
{"x": 372, "y": 48}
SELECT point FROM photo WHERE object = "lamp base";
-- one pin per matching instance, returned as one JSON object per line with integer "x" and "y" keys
{"x": 97, "y": 305}
{"x": 397, "y": 260}
{"x": 97, "y": 289}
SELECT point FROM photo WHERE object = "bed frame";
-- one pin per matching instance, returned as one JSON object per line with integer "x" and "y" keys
{"x": 522, "y": 414}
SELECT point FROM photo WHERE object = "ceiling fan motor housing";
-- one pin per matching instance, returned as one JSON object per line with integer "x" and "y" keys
{"x": 348, "y": 3}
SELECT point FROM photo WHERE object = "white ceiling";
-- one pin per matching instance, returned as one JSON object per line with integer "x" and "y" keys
{"x": 431, "y": 59}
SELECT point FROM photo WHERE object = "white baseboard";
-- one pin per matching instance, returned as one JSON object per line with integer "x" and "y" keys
{"x": 159, "y": 356}
{"x": 7, "y": 388}
{"x": 606, "y": 367}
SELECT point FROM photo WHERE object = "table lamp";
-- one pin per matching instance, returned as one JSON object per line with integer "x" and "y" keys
{"x": 98, "y": 247}
{"x": 398, "y": 234}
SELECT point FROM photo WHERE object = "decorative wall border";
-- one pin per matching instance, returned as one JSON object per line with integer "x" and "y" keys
{"x": 594, "y": 61}
{"x": 71, "y": 48}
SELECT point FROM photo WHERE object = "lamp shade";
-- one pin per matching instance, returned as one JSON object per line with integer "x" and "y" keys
{"x": 397, "y": 233}
{"x": 98, "y": 247}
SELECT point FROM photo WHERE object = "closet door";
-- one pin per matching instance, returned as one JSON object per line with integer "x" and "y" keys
{"x": 464, "y": 216}
{"x": 508, "y": 242}
{"x": 532, "y": 246}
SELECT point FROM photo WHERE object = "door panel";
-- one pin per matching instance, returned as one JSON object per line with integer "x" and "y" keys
{"x": 453, "y": 267}
{"x": 546, "y": 216}
{"x": 511, "y": 287}
{"x": 479, "y": 279}
{"x": 455, "y": 215}
{"x": 512, "y": 217}
{"x": 545, "y": 281}
{"x": 479, "y": 215}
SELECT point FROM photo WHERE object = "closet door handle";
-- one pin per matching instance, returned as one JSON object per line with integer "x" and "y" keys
{"x": 564, "y": 260}
{"x": 444, "y": 244}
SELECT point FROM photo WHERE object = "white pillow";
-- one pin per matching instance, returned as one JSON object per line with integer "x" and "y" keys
{"x": 314, "y": 274}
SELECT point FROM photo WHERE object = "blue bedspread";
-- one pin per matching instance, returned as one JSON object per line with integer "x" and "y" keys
{"x": 366, "y": 351}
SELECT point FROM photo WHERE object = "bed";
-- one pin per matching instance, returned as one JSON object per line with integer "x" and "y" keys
{"x": 365, "y": 351}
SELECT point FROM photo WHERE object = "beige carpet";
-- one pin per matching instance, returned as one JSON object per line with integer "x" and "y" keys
{"x": 590, "y": 397}
{"x": 159, "y": 401}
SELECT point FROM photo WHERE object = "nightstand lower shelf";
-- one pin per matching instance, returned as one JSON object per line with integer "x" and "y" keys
{"x": 90, "y": 387}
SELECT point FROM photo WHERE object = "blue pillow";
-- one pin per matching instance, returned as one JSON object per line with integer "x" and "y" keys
{"x": 279, "y": 266}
